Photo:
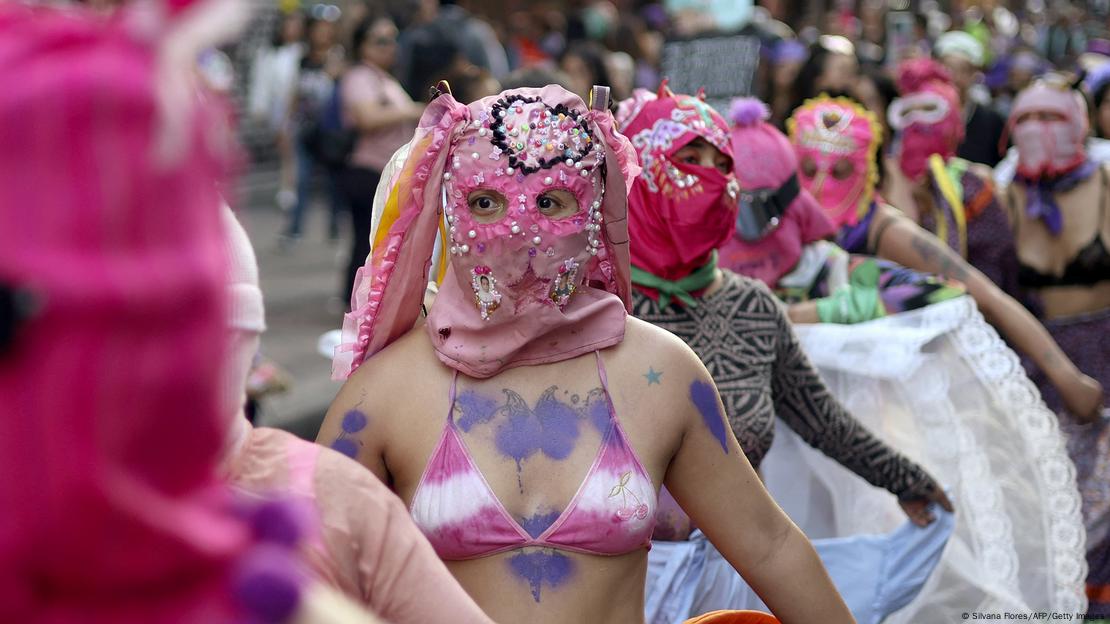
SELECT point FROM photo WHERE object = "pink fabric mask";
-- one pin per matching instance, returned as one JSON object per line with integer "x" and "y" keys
{"x": 1049, "y": 147}
{"x": 110, "y": 394}
{"x": 679, "y": 213}
{"x": 926, "y": 117}
{"x": 764, "y": 159}
{"x": 520, "y": 288}
{"x": 836, "y": 140}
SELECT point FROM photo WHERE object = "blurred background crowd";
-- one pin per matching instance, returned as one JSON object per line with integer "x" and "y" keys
{"x": 298, "y": 64}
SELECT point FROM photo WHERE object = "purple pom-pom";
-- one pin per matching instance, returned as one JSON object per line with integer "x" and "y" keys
{"x": 748, "y": 111}
{"x": 282, "y": 522}
{"x": 268, "y": 584}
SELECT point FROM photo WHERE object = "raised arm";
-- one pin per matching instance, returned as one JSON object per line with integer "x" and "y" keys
{"x": 805, "y": 404}
{"x": 713, "y": 481}
{"x": 904, "y": 242}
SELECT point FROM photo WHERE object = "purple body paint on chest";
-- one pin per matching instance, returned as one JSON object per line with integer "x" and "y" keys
{"x": 552, "y": 427}
{"x": 541, "y": 568}
{"x": 704, "y": 396}
{"x": 473, "y": 409}
{"x": 538, "y": 523}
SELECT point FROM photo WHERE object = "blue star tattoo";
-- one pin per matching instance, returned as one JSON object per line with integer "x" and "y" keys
{"x": 653, "y": 377}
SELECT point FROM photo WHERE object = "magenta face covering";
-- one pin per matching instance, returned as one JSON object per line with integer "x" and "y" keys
{"x": 528, "y": 285}
{"x": 679, "y": 213}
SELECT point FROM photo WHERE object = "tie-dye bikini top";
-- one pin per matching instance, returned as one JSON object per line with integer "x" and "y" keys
{"x": 612, "y": 513}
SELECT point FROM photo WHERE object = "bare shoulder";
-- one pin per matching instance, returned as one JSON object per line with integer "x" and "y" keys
{"x": 644, "y": 342}
{"x": 383, "y": 398}
{"x": 652, "y": 358}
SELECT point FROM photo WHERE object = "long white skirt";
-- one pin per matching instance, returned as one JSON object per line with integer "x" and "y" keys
{"x": 941, "y": 386}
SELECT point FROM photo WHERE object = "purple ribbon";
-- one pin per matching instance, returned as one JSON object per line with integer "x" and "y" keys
{"x": 1040, "y": 195}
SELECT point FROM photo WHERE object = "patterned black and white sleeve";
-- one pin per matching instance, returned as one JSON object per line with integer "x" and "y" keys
{"x": 805, "y": 404}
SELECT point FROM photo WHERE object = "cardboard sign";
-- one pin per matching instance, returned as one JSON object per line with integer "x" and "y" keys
{"x": 724, "y": 65}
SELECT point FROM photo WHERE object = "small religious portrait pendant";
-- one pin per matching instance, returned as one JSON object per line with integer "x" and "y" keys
{"x": 565, "y": 283}
{"x": 486, "y": 295}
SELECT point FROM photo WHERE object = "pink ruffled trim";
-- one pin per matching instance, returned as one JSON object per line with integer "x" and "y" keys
{"x": 360, "y": 326}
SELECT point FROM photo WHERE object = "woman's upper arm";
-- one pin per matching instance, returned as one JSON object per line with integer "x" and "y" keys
{"x": 713, "y": 481}
{"x": 355, "y": 427}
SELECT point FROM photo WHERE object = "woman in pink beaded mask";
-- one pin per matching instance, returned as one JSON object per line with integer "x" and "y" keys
{"x": 529, "y": 422}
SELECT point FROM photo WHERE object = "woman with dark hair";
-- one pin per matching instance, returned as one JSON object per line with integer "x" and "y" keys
{"x": 831, "y": 68}
{"x": 1059, "y": 209}
{"x": 584, "y": 64}
{"x": 383, "y": 115}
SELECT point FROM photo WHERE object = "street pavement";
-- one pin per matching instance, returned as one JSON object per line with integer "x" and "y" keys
{"x": 301, "y": 287}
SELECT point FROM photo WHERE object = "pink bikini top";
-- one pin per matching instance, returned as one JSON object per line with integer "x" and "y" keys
{"x": 612, "y": 513}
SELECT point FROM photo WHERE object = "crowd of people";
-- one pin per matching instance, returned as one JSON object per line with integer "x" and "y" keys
{"x": 836, "y": 353}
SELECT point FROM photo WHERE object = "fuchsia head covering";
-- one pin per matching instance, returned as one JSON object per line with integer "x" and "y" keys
{"x": 765, "y": 162}
{"x": 1052, "y": 147}
{"x": 835, "y": 140}
{"x": 111, "y": 426}
{"x": 679, "y": 213}
{"x": 927, "y": 116}
{"x": 520, "y": 286}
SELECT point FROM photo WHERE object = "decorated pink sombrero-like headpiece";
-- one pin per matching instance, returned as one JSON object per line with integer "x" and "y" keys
{"x": 836, "y": 140}
{"x": 522, "y": 287}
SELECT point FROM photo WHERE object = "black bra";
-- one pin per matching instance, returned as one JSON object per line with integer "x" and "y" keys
{"x": 1090, "y": 266}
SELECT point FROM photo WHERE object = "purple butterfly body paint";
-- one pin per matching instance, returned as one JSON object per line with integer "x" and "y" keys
{"x": 541, "y": 568}
{"x": 551, "y": 428}
{"x": 704, "y": 396}
{"x": 474, "y": 409}
{"x": 597, "y": 410}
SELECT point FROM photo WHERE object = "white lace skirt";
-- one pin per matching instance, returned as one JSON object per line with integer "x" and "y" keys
{"x": 942, "y": 387}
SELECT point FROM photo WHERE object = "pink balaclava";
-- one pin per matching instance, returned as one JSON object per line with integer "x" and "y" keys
{"x": 835, "y": 140}
{"x": 111, "y": 426}
{"x": 781, "y": 216}
{"x": 522, "y": 287}
{"x": 679, "y": 213}
{"x": 927, "y": 115}
{"x": 1052, "y": 147}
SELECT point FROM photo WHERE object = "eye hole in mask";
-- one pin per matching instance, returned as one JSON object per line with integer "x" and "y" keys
{"x": 487, "y": 205}
{"x": 843, "y": 169}
{"x": 557, "y": 204}
{"x": 1043, "y": 116}
{"x": 703, "y": 154}
{"x": 920, "y": 108}
{"x": 808, "y": 167}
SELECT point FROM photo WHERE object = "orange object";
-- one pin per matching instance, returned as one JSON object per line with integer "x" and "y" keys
{"x": 734, "y": 617}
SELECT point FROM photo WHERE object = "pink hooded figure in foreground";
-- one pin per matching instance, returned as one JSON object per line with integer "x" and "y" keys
{"x": 111, "y": 276}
